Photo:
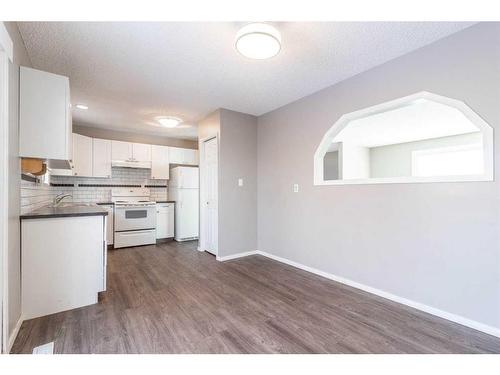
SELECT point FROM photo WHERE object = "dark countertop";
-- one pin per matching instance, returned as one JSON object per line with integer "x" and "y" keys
{"x": 112, "y": 203}
{"x": 65, "y": 211}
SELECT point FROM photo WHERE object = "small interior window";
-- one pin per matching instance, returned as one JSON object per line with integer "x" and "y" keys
{"x": 420, "y": 138}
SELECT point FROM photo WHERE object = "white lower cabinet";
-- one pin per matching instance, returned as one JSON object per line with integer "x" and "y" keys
{"x": 110, "y": 225}
{"x": 164, "y": 220}
{"x": 63, "y": 263}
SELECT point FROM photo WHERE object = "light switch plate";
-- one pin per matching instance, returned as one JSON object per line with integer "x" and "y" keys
{"x": 240, "y": 182}
{"x": 295, "y": 188}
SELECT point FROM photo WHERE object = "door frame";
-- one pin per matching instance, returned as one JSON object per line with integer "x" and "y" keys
{"x": 202, "y": 142}
{"x": 6, "y": 48}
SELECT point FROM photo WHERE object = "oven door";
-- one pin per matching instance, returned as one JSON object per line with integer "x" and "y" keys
{"x": 134, "y": 218}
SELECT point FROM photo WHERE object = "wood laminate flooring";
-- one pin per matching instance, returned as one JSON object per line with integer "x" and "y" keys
{"x": 170, "y": 298}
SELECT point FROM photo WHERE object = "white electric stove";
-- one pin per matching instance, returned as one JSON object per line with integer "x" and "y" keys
{"x": 135, "y": 217}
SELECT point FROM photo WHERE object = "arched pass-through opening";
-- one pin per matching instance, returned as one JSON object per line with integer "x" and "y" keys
{"x": 422, "y": 137}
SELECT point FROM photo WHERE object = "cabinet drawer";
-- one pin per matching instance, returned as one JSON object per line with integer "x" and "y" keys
{"x": 135, "y": 238}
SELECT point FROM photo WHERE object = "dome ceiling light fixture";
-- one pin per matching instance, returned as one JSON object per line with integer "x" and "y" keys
{"x": 258, "y": 41}
{"x": 169, "y": 121}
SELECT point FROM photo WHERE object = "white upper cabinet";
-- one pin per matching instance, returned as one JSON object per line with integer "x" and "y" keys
{"x": 82, "y": 155}
{"x": 159, "y": 162}
{"x": 191, "y": 156}
{"x": 101, "y": 158}
{"x": 131, "y": 153}
{"x": 183, "y": 156}
{"x": 141, "y": 152}
{"x": 44, "y": 115}
{"x": 121, "y": 150}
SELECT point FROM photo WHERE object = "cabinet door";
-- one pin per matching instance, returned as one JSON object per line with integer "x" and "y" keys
{"x": 109, "y": 224}
{"x": 161, "y": 221}
{"x": 176, "y": 155}
{"x": 121, "y": 150}
{"x": 170, "y": 220}
{"x": 191, "y": 157}
{"x": 141, "y": 152}
{"x": 101, "y": 158}
{"x": 159, "y": 162}
{"x": 82, "y": 155}
{"x": 44, "y": 115}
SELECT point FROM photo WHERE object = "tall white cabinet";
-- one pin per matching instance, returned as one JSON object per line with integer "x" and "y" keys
{"x": 45, "y": 129}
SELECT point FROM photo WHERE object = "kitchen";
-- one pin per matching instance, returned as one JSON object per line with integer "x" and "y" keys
{"x": 146, "y": 193}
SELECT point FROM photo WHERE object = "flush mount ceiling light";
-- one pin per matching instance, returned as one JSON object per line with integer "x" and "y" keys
{"x": 169, "y": 122}
{"x": 81, "y": 106}
{"x": 258, "y": 41}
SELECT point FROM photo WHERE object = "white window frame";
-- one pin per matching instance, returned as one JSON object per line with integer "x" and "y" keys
{"x": 484, "y": 127}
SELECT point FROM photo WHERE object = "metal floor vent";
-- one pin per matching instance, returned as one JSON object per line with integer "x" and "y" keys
{"x": 44, "y": 349}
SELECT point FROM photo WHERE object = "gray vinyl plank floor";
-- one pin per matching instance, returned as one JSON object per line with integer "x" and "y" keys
{"x": 170, "y": 298}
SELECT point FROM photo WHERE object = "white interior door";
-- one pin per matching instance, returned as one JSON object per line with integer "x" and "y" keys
{"x": 210, "y": 203}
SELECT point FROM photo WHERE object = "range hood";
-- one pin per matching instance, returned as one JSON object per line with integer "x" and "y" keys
{"x": 131, "y": 164}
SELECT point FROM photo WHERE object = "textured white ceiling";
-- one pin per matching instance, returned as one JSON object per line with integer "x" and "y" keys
{"x": 128, "y": 73}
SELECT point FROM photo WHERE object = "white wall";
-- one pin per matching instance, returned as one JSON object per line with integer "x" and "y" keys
{"x": 14, "y": 254}
{"x": 438, "y": 243}
{"x": 396, "y": 160}
{"x": 355, "y": 161}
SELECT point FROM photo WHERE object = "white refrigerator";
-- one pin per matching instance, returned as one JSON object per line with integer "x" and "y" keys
{"x": 183, "y": 188}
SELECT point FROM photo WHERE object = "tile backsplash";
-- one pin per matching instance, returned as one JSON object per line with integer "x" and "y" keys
{"x": 89, "y": 189}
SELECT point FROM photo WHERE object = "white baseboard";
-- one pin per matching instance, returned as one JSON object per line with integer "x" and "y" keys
{"x": 417, "y": 305}
{"x": 14, "y": 333}
{"x": 236, "y": 256}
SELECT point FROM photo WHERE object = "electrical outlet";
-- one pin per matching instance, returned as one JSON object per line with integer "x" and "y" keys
{"x": 240, "y": 182}
{"x": 295, "y": 188}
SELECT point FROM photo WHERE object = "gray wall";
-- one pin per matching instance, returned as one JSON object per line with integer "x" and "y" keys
{"x": 237, "y": 212}
{"x": 237, "y": 205}
{"x": 396, "y": 160}
{"x": 125, "y": 136}
{"x": 331, "y": 165}
{"x": 439, "y": 242}
{"x": 14, "y": 250}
